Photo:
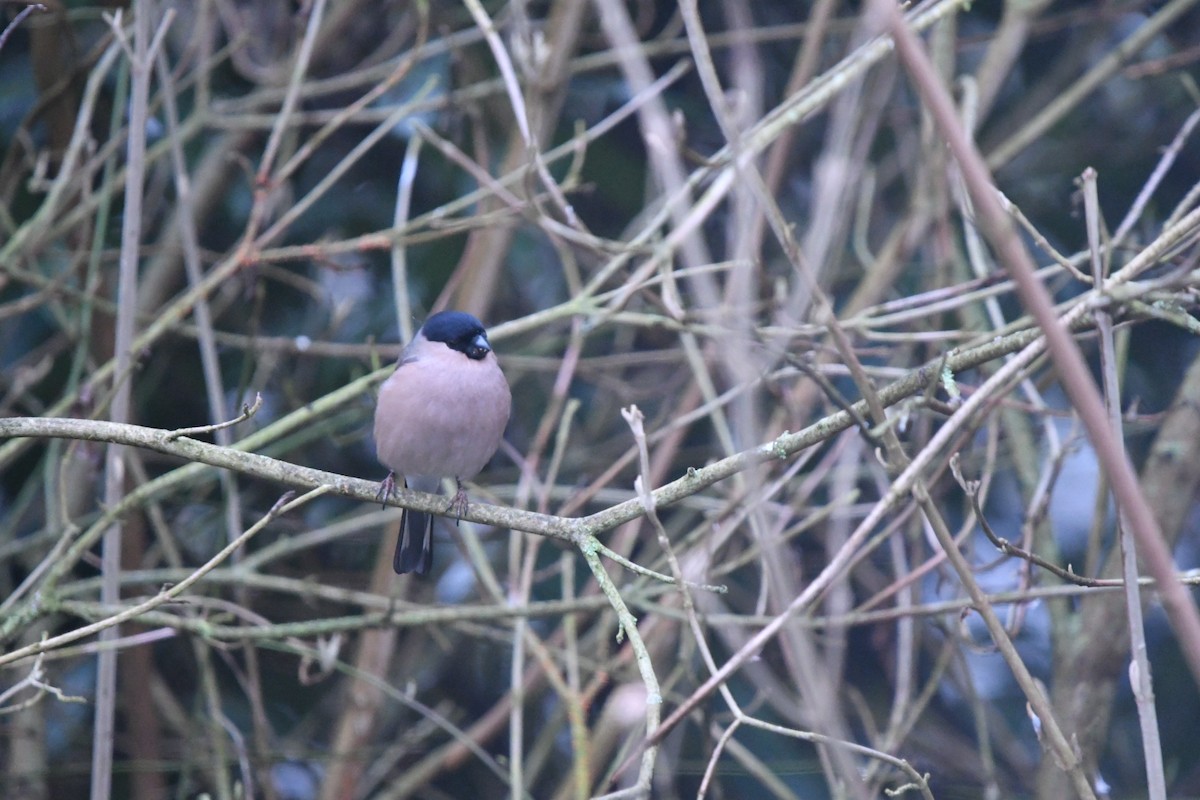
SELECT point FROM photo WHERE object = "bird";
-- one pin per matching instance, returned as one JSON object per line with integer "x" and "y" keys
{"x": 441, "y": 414}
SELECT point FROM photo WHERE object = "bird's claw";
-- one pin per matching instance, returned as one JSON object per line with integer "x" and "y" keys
{"x": 387, "y": 488}
{"x": 458, "y": 503}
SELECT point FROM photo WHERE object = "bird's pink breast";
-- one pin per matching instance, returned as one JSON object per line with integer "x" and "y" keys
{"x": 442, "y": 416}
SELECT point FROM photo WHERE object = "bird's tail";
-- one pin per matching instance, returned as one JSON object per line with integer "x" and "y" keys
{"x": 414, "y": 548}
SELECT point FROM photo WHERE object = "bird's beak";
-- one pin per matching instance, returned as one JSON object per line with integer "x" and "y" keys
{"x": 479, "y": 347}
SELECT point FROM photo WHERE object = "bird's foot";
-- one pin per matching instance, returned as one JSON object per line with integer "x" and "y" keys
{"x": 387, "y": 488}
{"x": 458, "y": 503}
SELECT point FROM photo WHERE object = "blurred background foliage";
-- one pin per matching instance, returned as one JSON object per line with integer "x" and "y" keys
{"x": 694, "y": 313}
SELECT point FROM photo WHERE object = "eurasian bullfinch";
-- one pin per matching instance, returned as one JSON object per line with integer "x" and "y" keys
{"x": 441, "y": 414}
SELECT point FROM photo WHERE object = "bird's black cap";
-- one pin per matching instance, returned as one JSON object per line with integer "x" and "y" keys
{"x": 459, "y": 331}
